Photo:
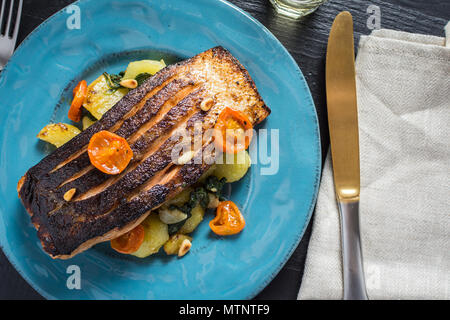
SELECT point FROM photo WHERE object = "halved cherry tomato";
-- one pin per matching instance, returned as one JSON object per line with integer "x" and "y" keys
{"x": 130, "y": 241}
{"x": 109, "y": 152}
{"x": 79, "y": 95}
{"x": 233, "y": 131}
{"x": 74, "y": 92}
{"x": 228, "y": 220}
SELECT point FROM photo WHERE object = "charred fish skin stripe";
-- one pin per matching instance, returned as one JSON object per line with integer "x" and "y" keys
{"x": 94, "y": 177}
{"x": 127, "y": 211}
{"x": 46, "y": 186}
{"x": 50, "y": 181}
{"x": 108, "y": 198}
{"x": 164, "y": 126}
{"x": 34, "y": 202}
{"x": 129, "y": 126}
{"x": 123, "y": 214}
{"x": 152, "y": 107}
{"x": 66, "y": 229}
{"x": 167, "y": 124}
{"x": 76, "y": 166}
{"x": 108, "y": 120}
{"x": 82, "y": 161}
{"x": 124, "y": 211}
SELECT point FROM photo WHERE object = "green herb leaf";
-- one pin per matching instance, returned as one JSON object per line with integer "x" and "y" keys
{"x": 214, "y": 185}
{"x": 199, "y": 196}
{"x": 113, "y": 81}
{"x": 141, "y": 77}
{"x": 115, "y": 78}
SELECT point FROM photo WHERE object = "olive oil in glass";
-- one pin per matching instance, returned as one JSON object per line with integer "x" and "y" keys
{"x": 296, "y": 8}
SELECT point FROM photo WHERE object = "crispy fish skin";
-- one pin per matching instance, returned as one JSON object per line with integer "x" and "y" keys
{"x": 104, "y": 206}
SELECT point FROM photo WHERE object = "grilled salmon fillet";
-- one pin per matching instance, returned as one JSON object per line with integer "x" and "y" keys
{"x": 105, "y": 206}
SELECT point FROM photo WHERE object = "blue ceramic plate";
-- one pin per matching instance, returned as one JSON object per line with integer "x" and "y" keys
{"x": 276, "y": 207}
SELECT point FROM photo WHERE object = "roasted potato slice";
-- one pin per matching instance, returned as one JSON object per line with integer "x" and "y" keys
{"x": 156, "y": 234}
{"x": 87, "y": 122}
{"x": 181, "y": 198}
{"x": 58, "y": 133}
{"x": 173, "y": 245}
{"x": 192, "y": 223}
{"x": 100, "y": 98}
{"x": 236, "y": 170}
{"x": 143, "y": 66}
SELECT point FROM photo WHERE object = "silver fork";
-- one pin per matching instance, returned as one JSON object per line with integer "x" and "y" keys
{"x": 7, "y": 43}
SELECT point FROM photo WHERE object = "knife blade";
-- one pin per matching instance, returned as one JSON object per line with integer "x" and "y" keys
{"x": 344, "y": 141}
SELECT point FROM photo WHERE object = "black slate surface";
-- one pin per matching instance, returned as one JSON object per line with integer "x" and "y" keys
{"x": 306, "y": 40}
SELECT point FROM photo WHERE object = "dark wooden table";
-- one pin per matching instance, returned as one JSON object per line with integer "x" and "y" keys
{"x": 306, "y": 40}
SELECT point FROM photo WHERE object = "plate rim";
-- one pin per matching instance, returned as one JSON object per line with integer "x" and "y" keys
{"x": 318, "y": 169}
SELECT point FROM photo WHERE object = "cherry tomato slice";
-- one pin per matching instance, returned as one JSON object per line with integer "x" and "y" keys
{"x": 228, "y": 220}
{"x": 79, "y": 95}
{"x": 74, "y": 92}
{"x": 130, "y": 241}
{"x": 233, "y": 131}
{"x": 109, "y": 152}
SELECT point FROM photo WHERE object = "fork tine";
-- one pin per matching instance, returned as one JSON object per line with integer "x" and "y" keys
{"x": 1, "y": 14}
{"x": 8, "y": 24}
{"x": 16, "y": 26}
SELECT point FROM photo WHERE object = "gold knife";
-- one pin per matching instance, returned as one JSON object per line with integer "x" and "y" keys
{"x": 344, "y": 140}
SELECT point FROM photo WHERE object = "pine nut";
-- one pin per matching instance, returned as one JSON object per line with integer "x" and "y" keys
{"x": 185, "y": 247}
{"x": 186, "y": 157}
{"x": 69, "y": 194}
{"x": 206, "y": 104}
{"x": 129, "y": 83}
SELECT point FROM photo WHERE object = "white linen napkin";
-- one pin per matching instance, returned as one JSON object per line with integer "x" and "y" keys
{"x": 403, "y": 86}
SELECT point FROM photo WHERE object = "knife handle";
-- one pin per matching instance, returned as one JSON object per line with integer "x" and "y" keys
{"x": 354, "y": 284}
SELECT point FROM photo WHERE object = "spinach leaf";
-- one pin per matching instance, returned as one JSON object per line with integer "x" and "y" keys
{"x": 141, "y": 77}
{"x": 214, "y": 185}
{"x": 112, "y": 81}
{"x": 199, "y": 196}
